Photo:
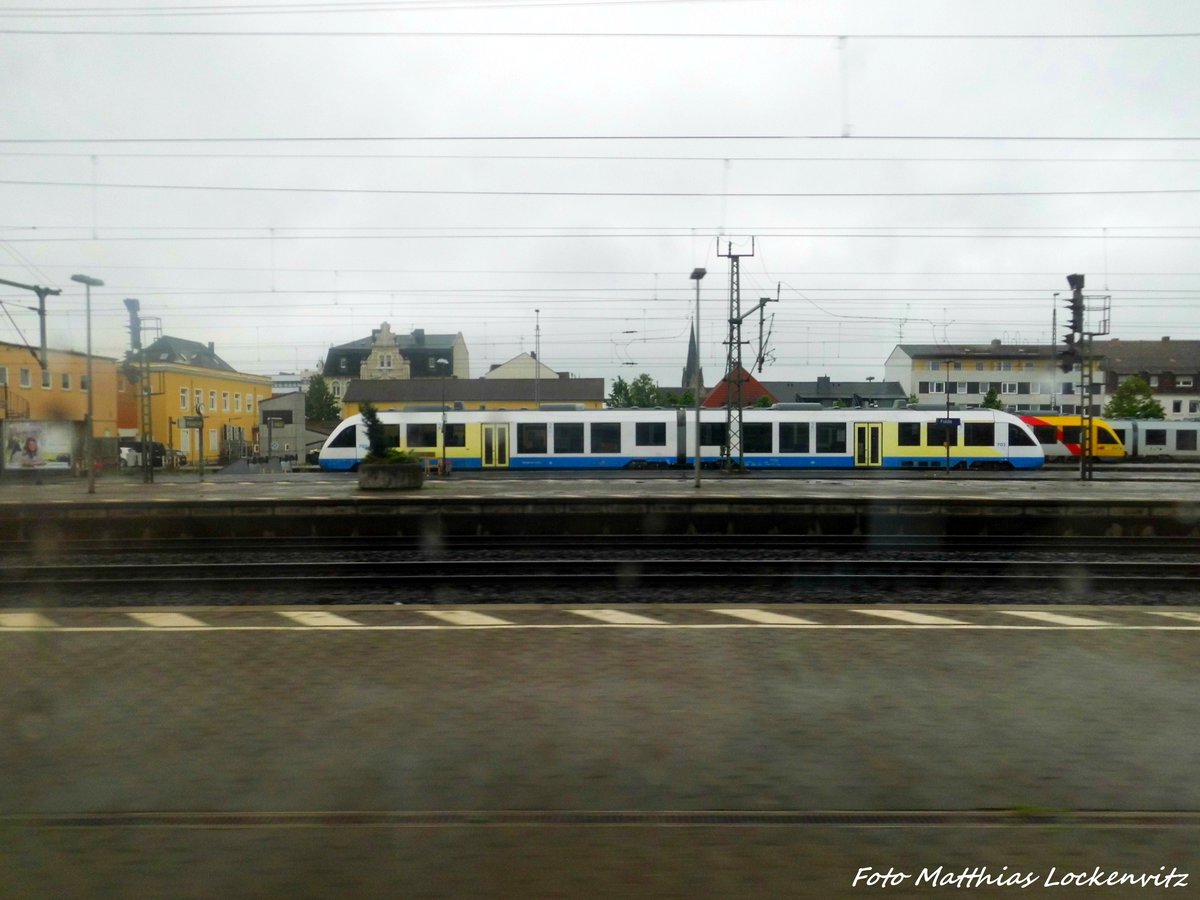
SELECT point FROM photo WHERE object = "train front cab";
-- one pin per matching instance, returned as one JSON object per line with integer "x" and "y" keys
{"x": 1061, "y": 437}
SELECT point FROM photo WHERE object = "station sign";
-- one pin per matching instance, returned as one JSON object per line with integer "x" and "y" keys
{"x": 953, "y": 423}
{"x": 191, "y": 422}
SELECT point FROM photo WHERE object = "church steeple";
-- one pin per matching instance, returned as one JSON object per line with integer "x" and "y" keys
{"x": 691, "y": 370}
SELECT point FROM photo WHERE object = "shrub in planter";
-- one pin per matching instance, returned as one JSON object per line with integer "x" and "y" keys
{"x": 385, "y": 468}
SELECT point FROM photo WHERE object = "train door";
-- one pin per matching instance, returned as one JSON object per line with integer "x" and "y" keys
{"x": 495, "y": 446}
{"x": 867, "y": 443}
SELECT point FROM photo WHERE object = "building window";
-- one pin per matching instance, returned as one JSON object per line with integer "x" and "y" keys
{"x": 65, "y": 381}
{"x": 46, "y": 379}
{"x": 385, "y": 360}
{"x": 84, "y": 384}
{"x": 937, "y": 387}
{"x": 183, "y": 398}
{"x": 249, "y": 403}
{"x": 1153, "y": 381}
{"x": 1008, "y": 387}
{"x": 935, "y": 367}
{"x": 1068, "y": 387}
{"x": 26, "y": 378}
{"x": 212, "y": 401}
{"x": 957, "y": 366}
{"x": 1183, "y": 381}
{"x": 979, "y": 367}
{"x": 1193, "y": 406}
{"x": 3, "y": 375}
{"x": 1177, "y": 406}
{"x": 963, "y": 387}
{"x": 224, "y": 401}
{"x": 1006, "y": 365}
{"x": 199, "y": 400}
{"x": 237, "y": 403}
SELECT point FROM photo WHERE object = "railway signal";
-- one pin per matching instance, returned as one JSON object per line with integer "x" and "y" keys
{"x": 1075, "y": 304}
{"x": 1069, "y": 355}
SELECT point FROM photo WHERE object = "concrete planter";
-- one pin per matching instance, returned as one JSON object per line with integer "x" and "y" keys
{"x": 390, "y": 477}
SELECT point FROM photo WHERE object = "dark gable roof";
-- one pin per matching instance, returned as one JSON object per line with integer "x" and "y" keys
{"x": 177, "y": 351}
{"x": 806, "y": 391}
{"x": 355, "y": 352}
{"x": 978, "y": 351}
{"x": 1151, "y": 357}
{"x": 476, "y": 390}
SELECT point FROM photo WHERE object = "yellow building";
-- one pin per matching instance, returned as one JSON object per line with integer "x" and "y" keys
{"x": 187, "y": 379}
{"x": 474, "y": 393}
{"x": 52, "y": 402}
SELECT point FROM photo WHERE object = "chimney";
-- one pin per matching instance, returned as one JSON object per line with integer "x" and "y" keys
{"x": 419, "y": 337}
{"x": 995, "y": 343}
{"x": 1167, "y": 337}
{"x": 212, "y": 348}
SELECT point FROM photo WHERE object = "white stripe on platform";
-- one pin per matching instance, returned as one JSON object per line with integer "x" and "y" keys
{"x": 464, "y": 617}
{"x": 167, "y": 620}
{"x": 25, "y": 620}
{"x": 763, "y": 616}
{"x": 317, "y": 619}
{"x": 1053, "y": 618}
{"x": 909, "y": 617}
{"x": 616, "y": 617}
{"x": 1186, "y": 616}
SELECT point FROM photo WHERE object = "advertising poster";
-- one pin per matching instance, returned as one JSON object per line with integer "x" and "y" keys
{"x": 38, "y": 445}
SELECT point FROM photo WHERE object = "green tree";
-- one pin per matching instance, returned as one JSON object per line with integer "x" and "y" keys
{"x": 376, "y": 438}
{"x": 319, "y": 402}
{"x": 642, "y": 392}
{"x": 618, "y": 397}
{"x": 764, "y": 402}
{"x": 992, "y": 400}
{"x": 1133, "y": 399}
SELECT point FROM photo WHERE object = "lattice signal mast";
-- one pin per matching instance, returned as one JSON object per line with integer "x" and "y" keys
{"x": 733, "y": 360}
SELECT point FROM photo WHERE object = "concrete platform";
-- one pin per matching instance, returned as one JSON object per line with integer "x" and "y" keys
{"x": 323, "y": 504}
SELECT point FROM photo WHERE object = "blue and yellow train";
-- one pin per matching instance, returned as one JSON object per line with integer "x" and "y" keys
{"x": 782, "y": 437}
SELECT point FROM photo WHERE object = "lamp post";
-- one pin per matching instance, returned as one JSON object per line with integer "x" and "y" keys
{"x": 88, "y": 283}
{"x": 442, "y": 365}
{"x": 696, "y": 275}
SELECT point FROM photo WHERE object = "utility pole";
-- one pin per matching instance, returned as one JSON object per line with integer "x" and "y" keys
{"x": 1078, "y": 349}
{"x": 42, "y": 294}
{"x": 733, "y": 361}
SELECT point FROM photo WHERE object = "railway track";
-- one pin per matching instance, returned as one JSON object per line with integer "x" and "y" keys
{"x": 770, "y": 569}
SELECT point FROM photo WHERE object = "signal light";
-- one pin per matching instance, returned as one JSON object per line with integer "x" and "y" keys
{"x": 1069, "y": 355}
{"x": 1075, "y": 304}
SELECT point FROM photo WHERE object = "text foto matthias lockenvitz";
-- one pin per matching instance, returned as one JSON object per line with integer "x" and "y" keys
{"x": 982, "y": 876}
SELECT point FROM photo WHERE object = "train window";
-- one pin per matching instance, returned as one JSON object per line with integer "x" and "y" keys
{"x": 531, "y": 437}
{"x": 793, "y": 437}
{"x": 1120, "y": 433}
{"x": 979, "y": 434}
{"x": 391, "y": 435}
{"x": 1156, "y": 436}
{"x": 568, "y": 437}
{"x": 606, "y": 437}
{"x": 712, "y": 434}
{"x": 1104, "y": 436}
{"x": 1019, "y": 437}
{"x": 456, "y": 435}
{"x": 936, "y": 435}
{"x": 1185, "y": 440}
{"x": 831, "y": 437}
{"x": 908, "y": 434}
{"x": 650, "y": 434}
{"x": 756, "y": 437}
{"x": 347, "y": 437}
{"x": 421, "y": 435}
{"x": 1072, "y": 434}
{"x": 1046, "y": 434}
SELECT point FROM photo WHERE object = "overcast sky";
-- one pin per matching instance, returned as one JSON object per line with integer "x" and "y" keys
{"x": 279, "y": 176}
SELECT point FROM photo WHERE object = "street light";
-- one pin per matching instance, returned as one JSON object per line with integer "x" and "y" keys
{"x": 442, "y": 365}
{"x": 88, "y": 283}
{"x": 696, "y": 275}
